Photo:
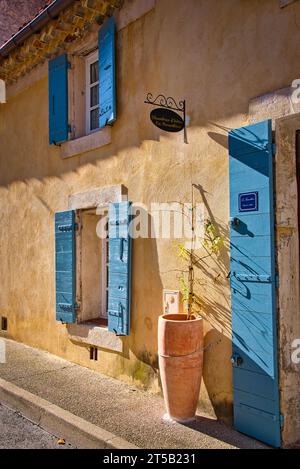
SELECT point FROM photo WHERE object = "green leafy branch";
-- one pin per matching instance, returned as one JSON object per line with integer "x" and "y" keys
{"x": 212, "y": 242}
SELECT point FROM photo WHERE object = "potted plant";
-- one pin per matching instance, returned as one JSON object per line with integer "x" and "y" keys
{"x": 180, "y": 337}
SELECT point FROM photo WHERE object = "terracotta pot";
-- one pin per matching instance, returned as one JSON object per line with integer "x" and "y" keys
{"x": 180, "y": 350}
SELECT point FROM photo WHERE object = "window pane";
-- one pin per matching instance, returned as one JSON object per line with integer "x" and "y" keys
{"x": 95, "y": 119}
{"x": 94, "y": 95}
{"x": 94, "y": 72}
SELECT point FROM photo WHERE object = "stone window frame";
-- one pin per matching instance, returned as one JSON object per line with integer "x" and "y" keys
{"x": 90, "y": 334}
{"x": 100, "y": 313}
{"x": 80, "y": 139}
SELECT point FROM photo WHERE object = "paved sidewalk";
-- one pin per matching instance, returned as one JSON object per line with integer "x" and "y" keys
{"x": 19, "y": 433}
{"x": 124, "y": 410}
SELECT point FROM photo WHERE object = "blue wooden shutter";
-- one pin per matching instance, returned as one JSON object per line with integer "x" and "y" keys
{"x": 107, "y": 83}
{"x": 58, "y": 99}
{"x": 119, "y": 269}
{"x": 253, "y": 283}
{"x": 65, "y": 266}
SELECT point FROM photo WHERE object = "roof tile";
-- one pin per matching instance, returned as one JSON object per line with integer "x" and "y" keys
{"x": 15, "y": 14}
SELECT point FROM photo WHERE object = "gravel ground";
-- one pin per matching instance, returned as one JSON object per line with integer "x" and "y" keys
{"x": 16, "y": 432}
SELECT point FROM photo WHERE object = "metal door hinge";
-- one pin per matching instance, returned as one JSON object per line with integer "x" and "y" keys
{"x": 65, "y": 228}
{"x": 281, "y": 419}
{"x": 66, "y": 307}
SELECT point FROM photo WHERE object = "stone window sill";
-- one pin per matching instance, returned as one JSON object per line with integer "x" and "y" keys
{"x": 96, "y": 336}
{"x": 87, "y": 143}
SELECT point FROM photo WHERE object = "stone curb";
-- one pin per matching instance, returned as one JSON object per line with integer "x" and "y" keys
{"x": 59, "y": 422}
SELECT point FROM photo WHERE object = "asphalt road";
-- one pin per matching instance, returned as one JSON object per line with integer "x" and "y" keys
{"x": 18, "y": 433}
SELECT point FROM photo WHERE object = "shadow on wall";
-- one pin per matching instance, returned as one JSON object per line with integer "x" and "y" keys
{"x": 211, "y": 293}
{"x": 217, "y": 374}
{"x": 146, "y": 307}
{"x": 211, "y": 273}
{"x": 217, "y": 369}
{"x": 220, "y": 138}
{"x": 216, "y": 269}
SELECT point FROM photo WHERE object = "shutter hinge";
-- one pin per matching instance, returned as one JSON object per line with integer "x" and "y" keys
{"x": 69, "y": 65}
{"x": 277, "y": 280}
{"x": 69, "y": 128}
{"x": 281, "y": 419}
{"x": 274, "y": 149}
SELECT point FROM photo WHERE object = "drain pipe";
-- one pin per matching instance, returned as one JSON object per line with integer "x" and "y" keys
{"x": 34, "y": 26}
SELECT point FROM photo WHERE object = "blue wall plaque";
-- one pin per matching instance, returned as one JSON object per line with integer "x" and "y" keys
{"x": 248, "y": 202}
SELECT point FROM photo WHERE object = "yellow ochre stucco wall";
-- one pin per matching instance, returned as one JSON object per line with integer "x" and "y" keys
{"x": 217, "y": 55}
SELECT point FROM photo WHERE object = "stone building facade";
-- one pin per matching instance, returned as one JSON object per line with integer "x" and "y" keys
{"x": 229, "y": 60}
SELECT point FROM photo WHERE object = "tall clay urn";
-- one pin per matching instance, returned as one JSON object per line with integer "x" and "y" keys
{"x": 180, "y": 350}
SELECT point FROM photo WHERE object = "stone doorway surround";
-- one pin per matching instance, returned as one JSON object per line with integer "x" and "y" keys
{"x": 288, "y": 264}
{"x": 285, "y": 115}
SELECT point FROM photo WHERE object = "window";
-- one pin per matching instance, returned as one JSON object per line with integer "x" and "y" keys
{"x": 93, "y": 270}
{"x": 92, "y": 92}
{"x": 82, "y": 94}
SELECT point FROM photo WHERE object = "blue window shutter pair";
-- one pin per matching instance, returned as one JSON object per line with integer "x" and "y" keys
{"x": 58, "y": 99}
{"x": 119, "y": 268}
{"x": 58, "y": 86}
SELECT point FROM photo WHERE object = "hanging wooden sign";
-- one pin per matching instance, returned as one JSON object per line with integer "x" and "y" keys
{"x": 167, "y": 120}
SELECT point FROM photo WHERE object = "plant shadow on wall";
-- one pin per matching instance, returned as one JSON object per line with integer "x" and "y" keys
{"x": 210, "y": 300}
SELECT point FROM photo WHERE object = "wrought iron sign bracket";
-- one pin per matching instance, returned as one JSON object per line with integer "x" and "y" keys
{"x": 169, "y": 103}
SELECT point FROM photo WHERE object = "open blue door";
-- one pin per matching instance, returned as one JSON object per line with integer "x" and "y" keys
{"x": 253, "y": 283}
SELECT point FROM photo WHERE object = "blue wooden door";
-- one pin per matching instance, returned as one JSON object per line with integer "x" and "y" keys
{"x": 253, "y": 283}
